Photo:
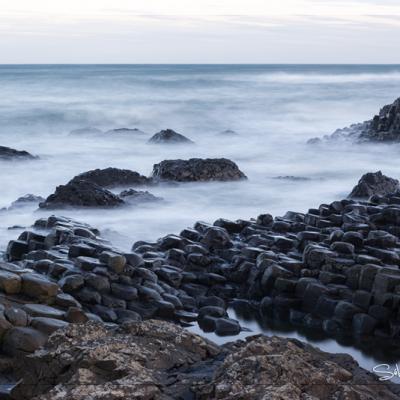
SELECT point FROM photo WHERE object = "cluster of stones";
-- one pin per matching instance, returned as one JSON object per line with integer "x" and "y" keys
{"x": 89, "y": 189}
{"x": 383, "y": 127}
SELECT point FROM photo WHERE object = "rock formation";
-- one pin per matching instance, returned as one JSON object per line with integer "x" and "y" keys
{"x": 374, "y": 183}
{"x": 125, "y": 132}
{"x": 81, "y": 193}
{"x": 383, "y": 127}
{"x": 113, "y": 177}
{"x": 161, "y": 361}
{"x": 132, "y": 196}
{"x": 7, "y": 153}
{"x": 168, "y": 136}
{"x": 197, "y": 169}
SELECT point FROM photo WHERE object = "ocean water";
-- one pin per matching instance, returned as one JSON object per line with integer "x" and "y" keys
{"x": 273, "y": 108}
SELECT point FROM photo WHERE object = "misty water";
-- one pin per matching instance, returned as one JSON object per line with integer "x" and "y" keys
{"x": 274, "y": 110}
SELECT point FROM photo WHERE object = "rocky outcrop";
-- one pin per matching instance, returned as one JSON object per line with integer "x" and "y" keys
{"x": 7, "y": 153}
{"x": 228, "y": 133}
{"x": 157, "y": 360}
{"x": 81, "y": 193}
{"x": 168, "y": 136}
{"x": 374, "y": 183}
{"x": 197, "y": 169}
{"x": 87, "y": 131}
{"x": 383, "y": 127}
{"x": 113, "y": 177}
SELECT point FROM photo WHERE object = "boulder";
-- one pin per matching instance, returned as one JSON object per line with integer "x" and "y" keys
{"x": 10, "y": 283}
{"x": 22, "y": 340}
{"x": 197, "y": 170}
{"x": 112, "y": 177}
{"x": 374, "y": 183}
{"x": 81, "y": 194}
{"x": 132, "y": 196}
{"x": 168, "y": 136}
{"x": 7, "y": 153}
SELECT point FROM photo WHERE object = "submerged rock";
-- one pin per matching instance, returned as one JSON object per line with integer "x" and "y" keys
{"x": 81, "y": 193}
{"x": 374, "y": 183}
{"x": 7, "y": 153}
{"x": 125, "y": 132}
{"x": 168, "y": 136}
{"x": 197, "y": 169}
{"x": 292, "y": 178}
{"x": 28, "y": 199}
{"x": 159, "y": 360}
{"x": 132, "y": 196}
{"x": 87, "y": 131}
{"x": 228, "y": 132}
{"x": 112, "y": 177}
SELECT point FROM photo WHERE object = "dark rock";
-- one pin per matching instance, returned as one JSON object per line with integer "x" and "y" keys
{"x": 71, "y": 283}
{"x": 47, "y": 325}
{"x": 363, "y": 324}
{"x": 7, "y": 153}
{"x": 26, "y": 200}
{"x": 132, "y": 196}
{"x": 20, "y": 340}
{"x": 217, "y": 238}
{"x": 228, "y": 133}
{"x": 197, "y": 169}
{"x": 112, "y": 177}
{"x": 374, "y": 183}
{"x": 168, "y": 136}
{"x": 37, "y": 286}
{"x": 81, "y": 194}
{"x": 227, "y": 327}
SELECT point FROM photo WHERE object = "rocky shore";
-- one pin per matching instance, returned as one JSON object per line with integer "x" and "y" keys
{"x": 333, "y": 269}
{"x": 159, "y": 360}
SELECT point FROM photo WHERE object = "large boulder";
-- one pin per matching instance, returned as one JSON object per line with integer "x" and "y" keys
{"x": 374, "y": 183}
{"x": 197, "y": 169}
{"x": 169, "y": 136}
{"x": 7, "y": 153}
{"x": 81, "y": 193}
{"x": 112, "y": 177}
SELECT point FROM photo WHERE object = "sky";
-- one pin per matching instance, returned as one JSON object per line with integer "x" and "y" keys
{"x": 200, "y": 31}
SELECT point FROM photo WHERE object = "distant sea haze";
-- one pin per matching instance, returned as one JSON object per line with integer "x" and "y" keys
{"x": 273, "y": 109}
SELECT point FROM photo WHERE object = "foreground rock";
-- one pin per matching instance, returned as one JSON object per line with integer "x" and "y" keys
{"x": 383, "y": 127}
{"x": 197, "y": 169}
{"x": 81, "y": 193}
{"x": 113, "y": 177}
{"x": 7, "y": 153}
{"x": 168, "y": 136}
{"x": 158, "y": 360}
{"x": 374, "y": 183}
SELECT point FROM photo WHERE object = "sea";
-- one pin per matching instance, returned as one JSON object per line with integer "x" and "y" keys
{"x": 273, "y": 109}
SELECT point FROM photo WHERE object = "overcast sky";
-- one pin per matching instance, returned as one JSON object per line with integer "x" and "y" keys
{"x": 199, "y": 31}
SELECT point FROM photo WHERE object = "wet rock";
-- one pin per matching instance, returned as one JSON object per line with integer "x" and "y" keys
{"x": 227, "y": 327}
{"x": 7, "y": 153}
{"x": 37, "y": 286}
{"x": 112, "y": 177}
{"x": 197, "y": 169}
{"x": 16, "y": 316}
{"x": 132, "y": 196}
{"x": 22, "y": 340}
{"x": 81, "y": 193}
{"x": 47, "y": 325}
{"x": 10, "y": 283}
{"x": 168, "y": 136}
{"x": 374, "y": 183}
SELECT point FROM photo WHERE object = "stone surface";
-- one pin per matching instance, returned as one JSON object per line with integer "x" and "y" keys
{"x": 160, "y": 361}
